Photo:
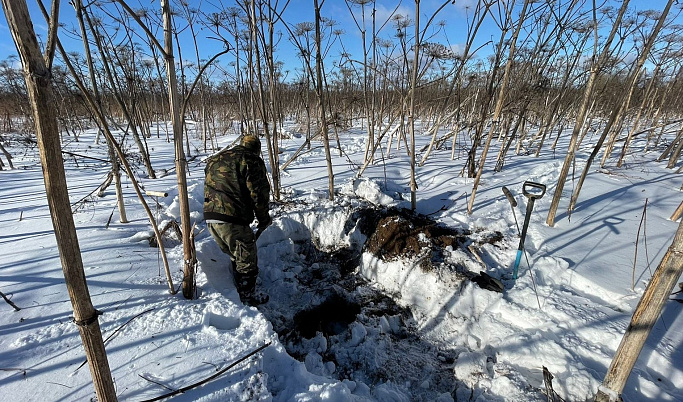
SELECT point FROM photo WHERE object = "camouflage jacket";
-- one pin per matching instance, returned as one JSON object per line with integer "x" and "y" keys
{"x": 236, "y": 187}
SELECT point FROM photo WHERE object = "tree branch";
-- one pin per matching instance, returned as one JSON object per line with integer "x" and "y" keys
{"x": 143, "y": 26}
{"x": 10, "y": 302}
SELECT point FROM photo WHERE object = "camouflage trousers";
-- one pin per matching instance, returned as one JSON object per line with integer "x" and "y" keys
{"x": 238, "y": 242}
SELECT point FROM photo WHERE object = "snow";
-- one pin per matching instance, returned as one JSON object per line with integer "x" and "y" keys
{"x": 415, "y": 333}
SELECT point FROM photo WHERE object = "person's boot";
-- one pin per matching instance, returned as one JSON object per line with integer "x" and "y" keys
{"x": 246, "y": 287}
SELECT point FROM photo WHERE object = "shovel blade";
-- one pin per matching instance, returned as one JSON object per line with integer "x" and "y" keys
{"x": 487, "y": 282}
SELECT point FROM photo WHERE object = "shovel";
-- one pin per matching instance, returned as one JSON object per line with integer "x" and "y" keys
{"x": 532, "y": 191}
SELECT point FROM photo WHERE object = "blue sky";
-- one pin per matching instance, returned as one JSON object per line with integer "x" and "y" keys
{"x": 296, "y": 11}
{"x": 302, "y": 10}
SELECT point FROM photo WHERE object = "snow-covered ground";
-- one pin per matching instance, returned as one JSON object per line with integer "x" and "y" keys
{"x": 343, "y": 323}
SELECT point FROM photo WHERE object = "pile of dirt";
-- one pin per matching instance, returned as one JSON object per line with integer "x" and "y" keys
{"x": 401, "y": 234}
{"x": 395, "y": 237}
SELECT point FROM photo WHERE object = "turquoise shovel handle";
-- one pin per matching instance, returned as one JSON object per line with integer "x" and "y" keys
{"x": 517, "y": 261}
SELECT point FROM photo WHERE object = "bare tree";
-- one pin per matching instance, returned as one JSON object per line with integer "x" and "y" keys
{"x": 411, "y": 107}
{"x": 8, "y": 156}
{"x": 115, "y": 165}
{"x": 37, "y": 76}
{"x": 499, "y": 104}
{"x": 270, "y": 142}
{"x": 322, "y": 98}
{"x": 189, "y": 260}
{"x": 273, "y": 16}
{"x": 598, "y": 64}
{"x": 368, "y": 96}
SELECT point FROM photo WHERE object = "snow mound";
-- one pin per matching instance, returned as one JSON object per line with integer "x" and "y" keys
{"x": 368, "y": 190}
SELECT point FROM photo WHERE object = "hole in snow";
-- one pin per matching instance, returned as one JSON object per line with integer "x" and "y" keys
{"x": 331, "y": 317}
{"x": 340, "y": 325}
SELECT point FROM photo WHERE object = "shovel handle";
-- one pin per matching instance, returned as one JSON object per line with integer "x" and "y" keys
{"x": 509, "y": 196}
{"x": 515, "y": 268}
{"x": 528, "y": 185}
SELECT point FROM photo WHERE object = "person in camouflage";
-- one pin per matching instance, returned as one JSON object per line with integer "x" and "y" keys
{"x": 236, "y": 189}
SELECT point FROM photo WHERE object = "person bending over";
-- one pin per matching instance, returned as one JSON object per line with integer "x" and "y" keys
{"x": 236, "y": 190}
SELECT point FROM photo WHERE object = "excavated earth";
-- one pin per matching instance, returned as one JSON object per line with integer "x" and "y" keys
{"x": 353, "y": 330}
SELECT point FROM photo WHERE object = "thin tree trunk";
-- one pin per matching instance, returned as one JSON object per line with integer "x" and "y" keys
{"x": 411, "y": 111}
{"x": 321, "y": 99}
{"x": 180, "y": 161}
{"x": 595, "y": 69}
{"x": 368, "y": 103}
{"x": 183, "y": 83}
{"x": 644, "y": 317}
{"x": 39, "y": 87}
{"x": 499, "y": 105}
{"x": 115, "y": 166}
{"x": 7, "y": 155}
{"x": 676, "y": 151}
{"x": 274, "y": 109}
{"x": 263, "y": 108}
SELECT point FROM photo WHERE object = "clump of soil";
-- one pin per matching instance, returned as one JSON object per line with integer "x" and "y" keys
{"x": 402, "y": 234}
{"x": 394, "y": 237}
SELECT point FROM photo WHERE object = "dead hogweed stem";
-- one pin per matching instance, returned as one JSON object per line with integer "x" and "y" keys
{"x": 10, "y": 302}
{"x": 216, "y": 375}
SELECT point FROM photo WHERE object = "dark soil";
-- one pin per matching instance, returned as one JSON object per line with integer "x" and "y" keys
{"x": 403, "y": 234}
{"x": 331, "y": 317}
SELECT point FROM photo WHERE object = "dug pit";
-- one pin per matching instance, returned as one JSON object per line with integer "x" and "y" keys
{"x": 343, "y": 326}
{"x": 331, "y": 317}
